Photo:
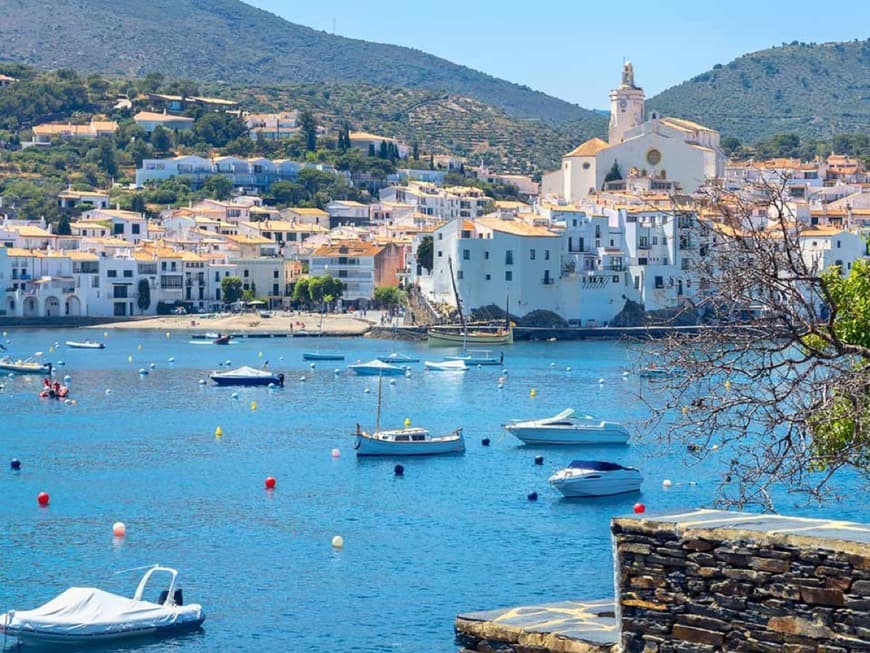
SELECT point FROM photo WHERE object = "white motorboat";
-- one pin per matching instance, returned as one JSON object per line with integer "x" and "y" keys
{"x": 245, "y": 375}
{"x": 84, "y": 344}
{"x": 87, "y": 614}
{"x": 596, "y": 478}
{"x": 446, "y": 366}
{"x": 408, "y": 441}
{"x": 568, "y": 428}
{"x": 398, "y": 358}
{"x": 376, "y": 368}
{"x": 474, "y": 357}
{"x": 26, "y": 366}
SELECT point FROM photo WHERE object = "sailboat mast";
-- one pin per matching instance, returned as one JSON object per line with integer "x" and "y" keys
{"x": 456, "y": 295}
{"x": 378, "y": 415}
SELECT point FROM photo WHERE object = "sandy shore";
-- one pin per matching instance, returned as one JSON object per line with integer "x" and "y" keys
{"x": 279, "y": 322}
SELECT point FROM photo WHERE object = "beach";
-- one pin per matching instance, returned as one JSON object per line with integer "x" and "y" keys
{"x": 334, "y": 324}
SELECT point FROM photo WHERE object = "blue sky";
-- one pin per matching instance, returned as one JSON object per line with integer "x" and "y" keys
{"x": 573, "y": 49}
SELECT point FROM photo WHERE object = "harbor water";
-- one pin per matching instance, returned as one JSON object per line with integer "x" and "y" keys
{"x": 453, "y": 534}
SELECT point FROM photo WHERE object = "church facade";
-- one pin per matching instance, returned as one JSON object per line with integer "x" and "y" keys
{"x": 642, "y": 153}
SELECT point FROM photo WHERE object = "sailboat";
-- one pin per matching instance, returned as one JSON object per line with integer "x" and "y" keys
{"x": 318, "y": 355}
{"x": 479, "y": 334}
{"x": 408, "y": 441}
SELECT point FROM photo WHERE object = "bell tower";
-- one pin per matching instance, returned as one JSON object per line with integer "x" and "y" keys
{"x": 626, "y": 106}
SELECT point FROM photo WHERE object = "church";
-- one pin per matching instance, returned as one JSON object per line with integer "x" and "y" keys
{"x": 655, "y": 153}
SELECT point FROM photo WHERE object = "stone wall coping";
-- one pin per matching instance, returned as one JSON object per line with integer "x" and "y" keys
{"x": 837, "y": 535}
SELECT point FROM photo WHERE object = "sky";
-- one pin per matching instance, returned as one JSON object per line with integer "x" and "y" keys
{"x": 574, "y": 49}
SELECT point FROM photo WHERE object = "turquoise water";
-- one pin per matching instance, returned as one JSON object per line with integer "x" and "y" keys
{"x": 454, "y": 534}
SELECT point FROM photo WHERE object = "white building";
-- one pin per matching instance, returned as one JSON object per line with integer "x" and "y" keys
{"x": 668, "y": 152}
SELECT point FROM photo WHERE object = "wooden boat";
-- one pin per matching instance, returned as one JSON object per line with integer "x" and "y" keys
{"x": 408, "y": 441}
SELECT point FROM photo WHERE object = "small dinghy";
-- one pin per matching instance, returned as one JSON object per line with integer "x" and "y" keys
{"x": 245, "y": 375}
{"x": 86, "y": 614}
{"x": 84, "y": 344}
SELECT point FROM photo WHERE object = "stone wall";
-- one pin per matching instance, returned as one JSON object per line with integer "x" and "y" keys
{"x": 713, "y": 581}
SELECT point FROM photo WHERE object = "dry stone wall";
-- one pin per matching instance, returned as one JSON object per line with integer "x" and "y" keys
{"x": 718, "y": 581}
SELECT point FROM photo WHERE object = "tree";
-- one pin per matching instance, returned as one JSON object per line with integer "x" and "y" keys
{"x": 613, "y": 174}
{"x": 144, "y": 299}
{"x": 161, "y": 139}
{"x": 308, "y": 127}
{"x": 218, "y": 187}
{"x": 426, "y": 253}
{"x": 389, "y": 296}
{"x": 778, "y": 387}
{"x": 231, "y": 289}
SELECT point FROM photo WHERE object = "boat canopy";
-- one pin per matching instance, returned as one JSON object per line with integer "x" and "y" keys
{"x": 596, "y": 465}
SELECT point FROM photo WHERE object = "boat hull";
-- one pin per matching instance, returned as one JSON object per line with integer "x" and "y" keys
{"x": 317, "y": 356}
{"x": 38, "y": 637}
{"x": 274, "y": 380}
{"x": 438, "y": 337}
{"x": 554, "y": 435}
{"x": 375, "y": 371}
{"x": 84, "y": 345}
{"x": 596, "y": 484}
{"x": 366, "y": 445}
{"x": 25, "y": 368}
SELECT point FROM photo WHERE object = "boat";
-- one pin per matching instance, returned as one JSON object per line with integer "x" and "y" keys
{"x": 223, "y": 339}
{"x": 408, "y": 441}
{"x": 446, "y": 366}
{"x": 376, "y": 368}
{"x": 446, "y": 335}
{"x": 398, "y": 358}
{"x": 474, "y": 357}
{"x": 480, "y": 335}
{"x": 318, "y": 355}
{"x": 595, "y": 478}
{"x": 245, "y": 375}
{"x": 653, "y": 372}
{"x": 85, "y": 615}
{"x": 54, "y": 390}
{"x": 26, "y": 366}
{"x": 568, "y": 428}
{"x": 85, "y": 344}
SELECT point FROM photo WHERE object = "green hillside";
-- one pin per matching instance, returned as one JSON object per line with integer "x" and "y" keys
{"x": 813, "y": 90}
{"x": 227, "y": 40}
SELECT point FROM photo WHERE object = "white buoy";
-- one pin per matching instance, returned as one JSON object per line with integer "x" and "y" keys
{"x": 336, "y": 453}
{"x": 235, "y": 395}
{"x": 666, "y": 483}
{"x": 67, "y": 378}
{"x": 271, "y": 386}
{"x": 500, "y": 386}
{"x": 568, "y": 369}
{"x": 202, "y": 381}
{"x": 600, "y": 381}
{"x": 392, "y": 381}
{"x": 714, "y": 447}
{"x": 172, "y": 359}
{"x": 227, "y": 362}
{"x": 61, "y": 363}
{"x": 152, "y": 365}
{"x": 311, "y": 365}
{"x": 337, "y": 371}
{"x": 552, "y": 365}
{"x": 366, "y": 391}
{"x": 108, "y": 391}
{"x": 337, "y": 542}
{"x": 302, "y": 379}
{"x": 143, "y": 371}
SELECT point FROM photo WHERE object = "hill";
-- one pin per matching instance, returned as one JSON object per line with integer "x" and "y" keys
{"x": 227, "y": 40}
{"x": 813, "y": 90}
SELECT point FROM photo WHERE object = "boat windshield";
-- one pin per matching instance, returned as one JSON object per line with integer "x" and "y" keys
{"x": 597, "y": 465}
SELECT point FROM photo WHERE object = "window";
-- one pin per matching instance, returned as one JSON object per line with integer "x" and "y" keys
{"x": 217, "y": 277}
{"x": 440, "y": 236}
{"x": 637, "y": 283}
{"x": 439, "y": 253}
{"x": 655, "y": 240}
{"x": 134, "y": 228}
{"x": 488, "y": 277}
{"x": 659, "y": 282}
{"x": 246, "y": 274}
{"x": 112, "y": 273}
{"x": 118, "y": 229}
{"x": 509, "y": 257}
{"x": 275, "y": 289}
{"x": 531, "y": 255}
{"x": 838, "y": 244}
{"x": 641, "y": 260}
{"x": 275, "y": 275}
{"x": 128, "y": 274}
{"x": 466, "y": 254}
{"x": 546, "y": 254}
{"x": 574, "y": 223}
{"x": 486, "y": 256}
{"x": 459, "y": 275}
{"x": 508, "y": 276}
{"x": 615, "y": 278}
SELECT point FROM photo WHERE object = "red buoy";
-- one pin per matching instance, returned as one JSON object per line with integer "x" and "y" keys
{"x": 270, "y": 482}
{"x": 639, "y": 508}
{"x": 42, "y": 498}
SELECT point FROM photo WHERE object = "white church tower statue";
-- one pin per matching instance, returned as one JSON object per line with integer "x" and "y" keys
{"x": 626, "y": 106}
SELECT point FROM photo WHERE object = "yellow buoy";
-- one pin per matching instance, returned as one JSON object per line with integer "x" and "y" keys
{"x": 253, "y": 405}
{"x": 105, "y": 334}
{"x": 407, "y": 422}
{"x": 139, "y": 347}
{"x": 337, "y": 542}
{"x": 167, "y": 334}
{"x": 260, "y": 354}
{"x": 727, "y": 384}
{"x": 533, "y": 393}
{"x": 218, "y": 432}
{"x": 130, "y": 358}
{"x": 51, "y": 349}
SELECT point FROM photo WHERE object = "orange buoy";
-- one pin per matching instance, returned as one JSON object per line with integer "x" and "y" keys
{"x": 119, "y": 529}
{"x": 43, "y": 498}
{"x": 639, "y": 508}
